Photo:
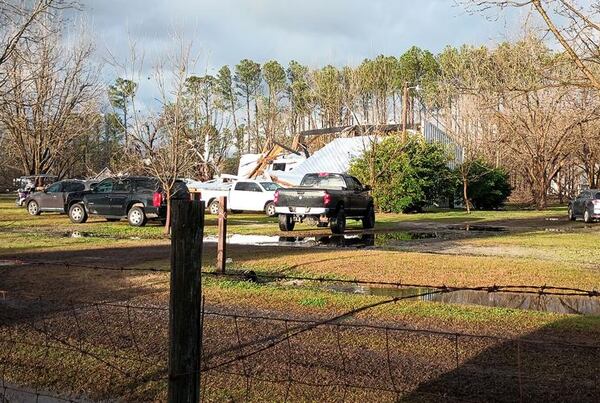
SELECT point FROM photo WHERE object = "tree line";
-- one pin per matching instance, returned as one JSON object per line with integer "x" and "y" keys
{"x": 521, "y": 106}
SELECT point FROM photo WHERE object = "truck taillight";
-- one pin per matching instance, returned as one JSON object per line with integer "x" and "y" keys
{"x": 326, "y": 199}
{"x": 276, "y": 197}
{"x": 157, "y": 199}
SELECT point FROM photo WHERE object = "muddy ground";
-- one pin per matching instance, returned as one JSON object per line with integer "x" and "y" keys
{"x": 80, "y": 331}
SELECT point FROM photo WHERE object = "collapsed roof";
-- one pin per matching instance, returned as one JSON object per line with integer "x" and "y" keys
{"x": 336, "y": 156}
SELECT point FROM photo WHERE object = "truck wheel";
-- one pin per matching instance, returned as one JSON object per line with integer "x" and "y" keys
{"x": 286, "y": 222}
{"x": 33, "y": 208}
{"x": 136, "y": 217}
{"x": 338, "y": 223}
{"x": 368, "y": 220}
{"x": 77, "y": 213}
{"x": 571, "y": 215}
{"x": 587, "y": 217}
{"x": 270, "y": 209}
{"x": 213, "y": 207}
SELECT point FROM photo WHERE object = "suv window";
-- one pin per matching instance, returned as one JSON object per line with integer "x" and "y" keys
{"x": 146, "y": 185}
{"x": 54, "y": 188}
{"x": 106, "y": 186}
{"x": 247, "y": 187}
{"x": 74, "y": 186}
{"x": 122, "y": 186}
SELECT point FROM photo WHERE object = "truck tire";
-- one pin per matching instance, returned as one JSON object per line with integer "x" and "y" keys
{"x": 571, "y": 215}
{"x": 270, "y": 209}
{"x": 338, "y": 223}
{"x": 368, "y": 221}
{"x": 136, "y": 217}
{"x": 286, "y": 222}
{"x": 587, "y": 216}
{"x": 77, "y": 213}
{"x": 33, "y": 208}
{"x": 213, "y": 207}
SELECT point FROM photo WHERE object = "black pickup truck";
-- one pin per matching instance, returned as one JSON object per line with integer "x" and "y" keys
{"x": 136, "y": 198}
{"x": 325, "y": 199}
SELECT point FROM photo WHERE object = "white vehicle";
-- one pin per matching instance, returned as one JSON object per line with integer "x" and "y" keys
{"x": 243, "y": 195}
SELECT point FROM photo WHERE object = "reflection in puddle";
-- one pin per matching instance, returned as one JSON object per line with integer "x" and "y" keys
{"x": 83, "y": 234}
{"x": 360, "y": 240}
{"x": 476, "y": 227}
{"x": 383, "y": 239}
{"x": 545, "y": 303}
{"x": 11, "y": 262}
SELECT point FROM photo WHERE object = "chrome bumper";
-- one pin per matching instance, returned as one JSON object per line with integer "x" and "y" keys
{"x": 302, "y": 210}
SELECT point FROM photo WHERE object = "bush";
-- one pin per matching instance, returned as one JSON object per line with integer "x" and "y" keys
{"x": 405, "y": 176}
{"x": 488, "y": 187}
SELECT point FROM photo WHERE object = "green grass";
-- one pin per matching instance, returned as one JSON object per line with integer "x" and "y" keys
{"x": 310, "y": 301}
{"x": 317, "y": 302}
{"x": 540, "y": 257}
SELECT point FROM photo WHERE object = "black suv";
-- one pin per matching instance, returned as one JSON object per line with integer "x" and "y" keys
{"x": 136, "y": 198}
{"x": 57, "y": 197}
{"x": 586, "y": 206}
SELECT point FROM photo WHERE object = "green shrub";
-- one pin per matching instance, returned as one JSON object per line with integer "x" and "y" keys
{"x": 405, "y": 176}
{"x": 488, "y": 187}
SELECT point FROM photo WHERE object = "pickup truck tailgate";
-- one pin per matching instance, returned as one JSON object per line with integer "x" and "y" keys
{"x": 301, "y": 197}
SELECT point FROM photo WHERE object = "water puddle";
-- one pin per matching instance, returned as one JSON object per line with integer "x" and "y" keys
{"x": 476, "y": 228}
{"x": 359, "y": 240}
{"x": 83, "y": 234}
{"x": 11, "y": 262}
{"x": 545, "y": 303}
{"x": 382, "y": 240}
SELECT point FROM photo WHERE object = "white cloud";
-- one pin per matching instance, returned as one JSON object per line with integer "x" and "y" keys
{"x": 314, "y": 32}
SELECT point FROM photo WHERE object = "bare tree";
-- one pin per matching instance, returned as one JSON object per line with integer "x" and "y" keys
{"x": 52, "y": 99}
{"x": 165, "y": 140}
{"x": 19, "y": 28}
{"x": 574, "y": 26}
{"x": 537, "y": 117}
{"x": 463, "y": 110}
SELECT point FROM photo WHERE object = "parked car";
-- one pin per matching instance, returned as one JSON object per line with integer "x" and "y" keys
{"x": 243, "y": 195}
{"x": 27, "y": 185}
{"x": 586, "y": 206}
{"x": 325, "y": 199}
{"x": 55, "y": 197}
{"x": 136, "y": 198}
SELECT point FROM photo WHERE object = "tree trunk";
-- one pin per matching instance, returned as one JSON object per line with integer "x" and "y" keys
{"x": 465, "y": 194}
{"x": 168, "y": 217}
{"x": 248, "y": 124}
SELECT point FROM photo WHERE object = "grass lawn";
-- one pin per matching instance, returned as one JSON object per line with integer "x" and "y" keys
{"x": 536, "y": 248}
{"x": 540, "y": 247}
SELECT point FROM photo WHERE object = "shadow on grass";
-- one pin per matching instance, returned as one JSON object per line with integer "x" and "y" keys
{"x": 532, "y": 368}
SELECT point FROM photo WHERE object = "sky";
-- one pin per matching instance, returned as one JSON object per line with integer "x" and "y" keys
{"x": 313, "y": 32}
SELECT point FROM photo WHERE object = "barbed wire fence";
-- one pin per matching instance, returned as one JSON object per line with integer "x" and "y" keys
{"x": 77, "y": 350}
{"x": 115, "y": 345}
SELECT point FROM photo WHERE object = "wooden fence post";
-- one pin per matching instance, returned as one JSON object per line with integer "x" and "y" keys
{"x": 185, "y": 336}
{"x": 222, "y": 241}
